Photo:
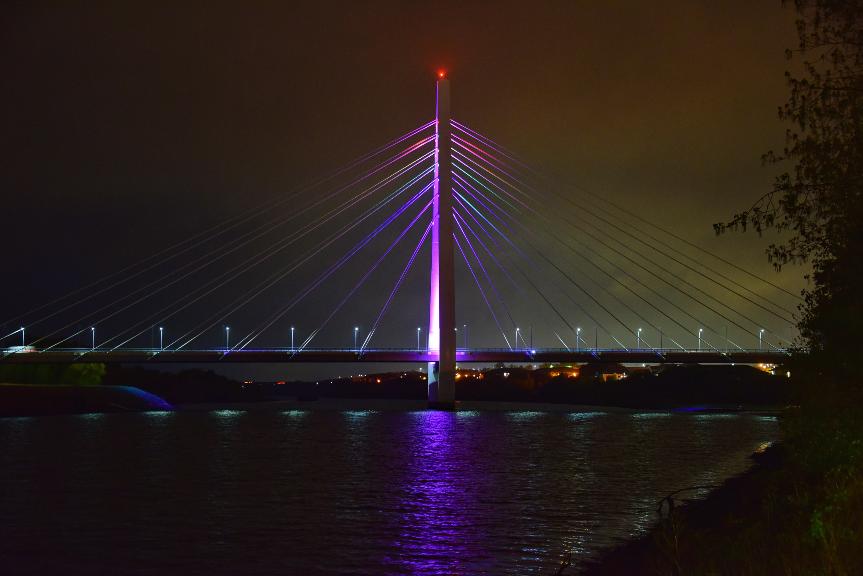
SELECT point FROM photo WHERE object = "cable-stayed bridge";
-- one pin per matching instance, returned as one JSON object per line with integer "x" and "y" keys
{"x": 545, "y": 273}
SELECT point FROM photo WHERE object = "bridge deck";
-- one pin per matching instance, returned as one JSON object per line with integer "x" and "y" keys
{"x": 648, "y": 356}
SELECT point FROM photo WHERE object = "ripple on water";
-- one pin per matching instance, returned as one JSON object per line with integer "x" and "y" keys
{"x": 348, "y": 492}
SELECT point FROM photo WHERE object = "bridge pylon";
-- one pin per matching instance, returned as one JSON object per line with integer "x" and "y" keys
{"x": 442, "y": 335}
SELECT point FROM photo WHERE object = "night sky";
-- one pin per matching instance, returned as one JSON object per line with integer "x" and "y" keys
{"x": 128, "y": 126}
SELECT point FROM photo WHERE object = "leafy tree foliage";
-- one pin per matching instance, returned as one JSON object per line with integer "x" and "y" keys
{"x": 817, "y": 202}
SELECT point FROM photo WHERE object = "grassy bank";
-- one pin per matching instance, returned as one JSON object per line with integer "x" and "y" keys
{"x": 799, "y": 510}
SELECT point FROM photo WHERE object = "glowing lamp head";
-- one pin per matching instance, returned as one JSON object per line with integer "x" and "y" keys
{"x": 441, "y": 74}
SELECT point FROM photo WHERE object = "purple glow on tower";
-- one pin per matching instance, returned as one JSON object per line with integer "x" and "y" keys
{"x": 434, "y": 289}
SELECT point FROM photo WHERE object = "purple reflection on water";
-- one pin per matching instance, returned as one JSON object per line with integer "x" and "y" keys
{"x": 438, "y": 488}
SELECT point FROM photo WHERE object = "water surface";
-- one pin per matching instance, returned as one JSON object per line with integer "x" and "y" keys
{"x": 323, "y": 489}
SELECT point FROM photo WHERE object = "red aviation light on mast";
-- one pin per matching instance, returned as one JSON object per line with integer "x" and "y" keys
{"x": 441, "y": 74}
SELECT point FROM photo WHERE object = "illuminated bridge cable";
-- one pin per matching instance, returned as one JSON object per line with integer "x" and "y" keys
{"x": 456, "y": 141}
{"x": 241, "y": 269}
{"x": 573, "y": 281}
{"x": 214, "y": 254}
{"x": 646, "y": 321}
{"x": 254, "y": 292}
{"x": 159, "y": 285}
{"x": 219, "y": 228}
{"x": 473, "y": 211}
{"x": 583, "y": 256}
{"x": 674, "y": 286}
{"x": 482, "y": 292}
{"x": 275, "y": 223}
{"x": 463, "y": 225}
{"x": 395, "y": 289}
{"x": 467, "y": 205}
{"x": 503, "y": 268}
{"x": 485, "y": 273}
{"x": 510, "y": 185}
{"x": 653, "y": 306}
{"x": 664, "y": 280}
{"x": 683, "y": 254}
{"x": 602, "y": 288}
{"x": 333, "y": 268}
{"x": 511, "y": 157}
{"x": 666, "y": 270}
{"x": 307, "y": 228}
{"x": 693, "y": 245}
{"x": 365, "y": 276}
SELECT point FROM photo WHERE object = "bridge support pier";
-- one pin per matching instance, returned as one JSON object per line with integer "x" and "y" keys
{"x": 442, "y": 335}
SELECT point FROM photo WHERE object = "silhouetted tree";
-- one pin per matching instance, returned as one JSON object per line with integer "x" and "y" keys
{"x": 817, "y": 202}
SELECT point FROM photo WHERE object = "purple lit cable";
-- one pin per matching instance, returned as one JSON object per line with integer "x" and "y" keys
{"x": 482, "y": 292}
{"x": 567, "y": 245}
{"x": 160, "y": 285}
{"x": 502, "y": 268}
{"x": 251, "y": 294}
{"x": 241, "y": 269}
{"x": 368, "y": 273}
{"x": 248, "y": 339}
{"x": 401, "y": 279}
{"x": 511, "y": 156}
{"x": 642, "y": 241}
{"x": 485, "y": 273}
{"x": 208, "y": 234}
{"x": 465, "y": 204}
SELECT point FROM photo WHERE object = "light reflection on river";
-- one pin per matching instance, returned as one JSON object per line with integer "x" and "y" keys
{"x": 328, "y": 489}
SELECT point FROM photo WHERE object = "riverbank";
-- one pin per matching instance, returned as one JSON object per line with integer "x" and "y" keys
{"x": 797, "y": 510}
{"x": 49, "y": 400}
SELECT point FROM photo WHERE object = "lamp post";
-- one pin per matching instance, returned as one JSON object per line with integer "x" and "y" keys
{"x": 92, "y": 337}
{"x": 760, "y": 337}
{"x": 419, "y": 330}
{"x": 292, "y": 338}
{"x": 227, "y": 338}
{"x": 577, "y": 339}
{"x": 22, "y": 337}
{"x": 638, "y": 339}
{"x": 516, "y": 337}
{"x": 700, "y": 330}
{"x": 465, "y": 336}
{"x": 161, "y": 338}
{"x": 356, "y": 330}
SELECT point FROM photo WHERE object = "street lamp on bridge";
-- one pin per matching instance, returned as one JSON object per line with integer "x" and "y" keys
{"x": 292, "y": 338}
{"x": 227, "y": 338}
{"x": 577, "y": 338}
{"x": 419, "y": 330}
{"x": 92, "y": 337}
{"x": 161, "y": 338}
{"x": 700, "y": 330}
{"x": 356, "y": 331}
{"x": 516, "y": 337}
{"x": 760, "y": 337}
{"x": 638, "y": 339}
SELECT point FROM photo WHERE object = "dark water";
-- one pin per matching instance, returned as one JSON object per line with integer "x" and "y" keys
{"x": 272, "y": 490}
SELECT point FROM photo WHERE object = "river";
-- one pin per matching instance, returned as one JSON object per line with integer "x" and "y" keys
{"x": 348, "y": 488}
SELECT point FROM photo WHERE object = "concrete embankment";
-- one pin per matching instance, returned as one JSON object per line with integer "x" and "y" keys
{"x": 43, "y": 400}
